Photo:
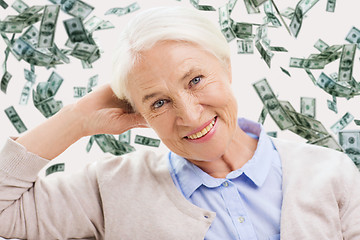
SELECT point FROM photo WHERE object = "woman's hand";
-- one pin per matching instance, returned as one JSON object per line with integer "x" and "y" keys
{"x": 102, "y": 112}
{"x": 98, "y": 112}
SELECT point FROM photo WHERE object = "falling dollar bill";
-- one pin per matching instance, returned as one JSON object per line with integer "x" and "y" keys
{"x": 195, "y": 3}
{"x": 302, "y": 7}
{"x": 272, "y": 134}
{"x": 285, "y": 71}
{"x": 75, "y": 8}
{"x": 266, "y": 54}
{"x": 330, "y": 6}
{"x": 3, "y": 4}
{"x": 48, "y": 26}
{"x": 263, "y": 115}
{"x": 307, "y": 63}
{"x": 225, "y": 23}
{"x": 250, "y": 7}
{"x": 92, "y": 82}
{"x": 357, "y": 122}
{"x": 332, "y": 105}
{"x": 327, "y": 141}
{"x": 25, "y": 93}
{"x": 15, "y": 119}
{"x": 288, "y": 13}
{"x": 346, "y": 62}
{"x": 342, "y": 122}
{"x": 152, "y": 142}
{"x": 122, "y": 11}
{"x": 354, "y": 36}
{"x": 5, "y": 81}
{"x": 11, "y": 27}
{"x": 257, "y": 3}
{"x": 79, "y": 92}
{"x": 308, "y": 106}
{"x": 272, "y": 104}
{"x": 92, "y": 24}
{"x": 75, "y": 30}
{"x": 350, "y": 142}
{"x": 59, "y": 167}
{"x": 90, "y": 143}
{"x": 231, "y": 4}
{"x": 125, "y": 137}
{"x": 268, "y": 9}
{"x": 332, "y": 87}
{"x": 321, "y": 45}
{"x": 245, "y": 46}
{"x": 108, "y": 143}
{"x": 243, "y": 30}
{"x": 19, "y": 6}
{"x": 278, "y": 49}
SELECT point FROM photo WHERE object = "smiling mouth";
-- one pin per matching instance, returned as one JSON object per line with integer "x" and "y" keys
{"x": 203, "y": 132}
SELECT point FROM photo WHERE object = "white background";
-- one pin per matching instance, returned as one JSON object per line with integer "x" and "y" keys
{"x": 330, "y": 27}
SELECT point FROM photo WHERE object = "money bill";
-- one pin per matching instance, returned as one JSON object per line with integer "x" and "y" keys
{"x": 250, "y": 7}
{"x": 225, "y": 23}
{"x": 272, "y": 134}
{"x": 151, "y": 142}
{"x": 268, "y": 9}
{"x": 29, "y": 76}
{"x": 92, "y": 24}
{"x": 285, "y": 71}
{"x": 307, "y": 122}
{"x": 308, "y": 106}
{"x": 321, "y": 45}
{"x": 122, "y": 11}
{"x": 3, "y": 4}
{"x": 354, "y": 36}
{"x": 75, "y": 8}
{"x": 245, "y": 46}
{"x": 330, "y": 6}
{"x": 306, "y": 133}
{"x": 195, "y": 3}
{"x": 105, "y": 25}
{"x": 257, "y": 3}
{"x": 79, "y": 92}
{"x": 272, "y": 104}
{"x": 90, "y": 143}
{"x": 75, "y": 30}
{"x": 92, "y": 82}
{"x": 327, "y": 141}
{"x": 307, "y": 63}
{"x": 5, "y": 81}
{"x": 278, "y": 49}
{"x": 301, "y": 9}
{"x": 59, "y": 167}
{"x": 48, "y": 26}
{"x": 332, "y": 87}
{"x": 357, "y": 122}
{"x": 288, "y": 13}
{"x": 263, "y": 115}
{"x": 11, "y": 27}
{"x": 346, "y": 62}
{"x": 54, "y": 83}
{"x": 342, "y": 122}
{"x": 265, "y": 54}
{"x": 125, "y": 137}
{"x": 19, "y": 6}
{"x": 332, "y": 105}
{"x": 25, "y": 93}
{"x": 242, "y": 30}
{"x": 15, "y": 119}
{"x": 231, "y": 5}
{"x": 350, "y": 142}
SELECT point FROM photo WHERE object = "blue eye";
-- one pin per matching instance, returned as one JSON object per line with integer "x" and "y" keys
{"x": 159, "y": 103}
{"x": 195, "y": 81}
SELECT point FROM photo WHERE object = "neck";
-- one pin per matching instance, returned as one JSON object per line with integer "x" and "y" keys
{"x": 240, "y": 151}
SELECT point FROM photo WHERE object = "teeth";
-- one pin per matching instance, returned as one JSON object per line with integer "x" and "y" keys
{"x": 202, "y": 132}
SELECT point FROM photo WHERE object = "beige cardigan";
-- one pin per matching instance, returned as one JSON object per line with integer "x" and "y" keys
{"x": 133, "y": 197}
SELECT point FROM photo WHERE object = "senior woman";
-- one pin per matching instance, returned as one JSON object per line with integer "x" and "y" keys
{"x": 224, "y": 178}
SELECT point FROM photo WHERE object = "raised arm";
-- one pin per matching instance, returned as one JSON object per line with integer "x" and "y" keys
{"x": 61, "y": 207}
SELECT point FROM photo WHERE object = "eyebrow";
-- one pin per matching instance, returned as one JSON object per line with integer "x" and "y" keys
{"x": 152, "y": 95}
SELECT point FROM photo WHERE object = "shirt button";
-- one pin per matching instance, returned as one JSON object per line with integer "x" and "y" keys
{"x": 225, "y": 184}
{"x": 241, "y": 219}
{"x": 206, "y": 216}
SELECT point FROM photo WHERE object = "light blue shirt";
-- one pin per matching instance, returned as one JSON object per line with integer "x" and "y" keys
{"x": 248, "y": 201}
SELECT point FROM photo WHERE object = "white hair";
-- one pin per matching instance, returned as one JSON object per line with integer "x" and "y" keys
{"x": 161, "y": 24}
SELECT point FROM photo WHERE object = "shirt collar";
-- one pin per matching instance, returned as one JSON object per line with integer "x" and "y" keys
{"x": 191, "y": 177}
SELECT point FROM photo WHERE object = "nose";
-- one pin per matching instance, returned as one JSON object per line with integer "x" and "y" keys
{"x": 188, "y": 110}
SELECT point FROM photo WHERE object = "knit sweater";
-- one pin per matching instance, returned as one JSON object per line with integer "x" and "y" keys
{"x": 134, "y": 197}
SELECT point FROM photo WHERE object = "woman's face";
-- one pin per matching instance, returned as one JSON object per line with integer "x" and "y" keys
{"x": 184, "y": 94}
